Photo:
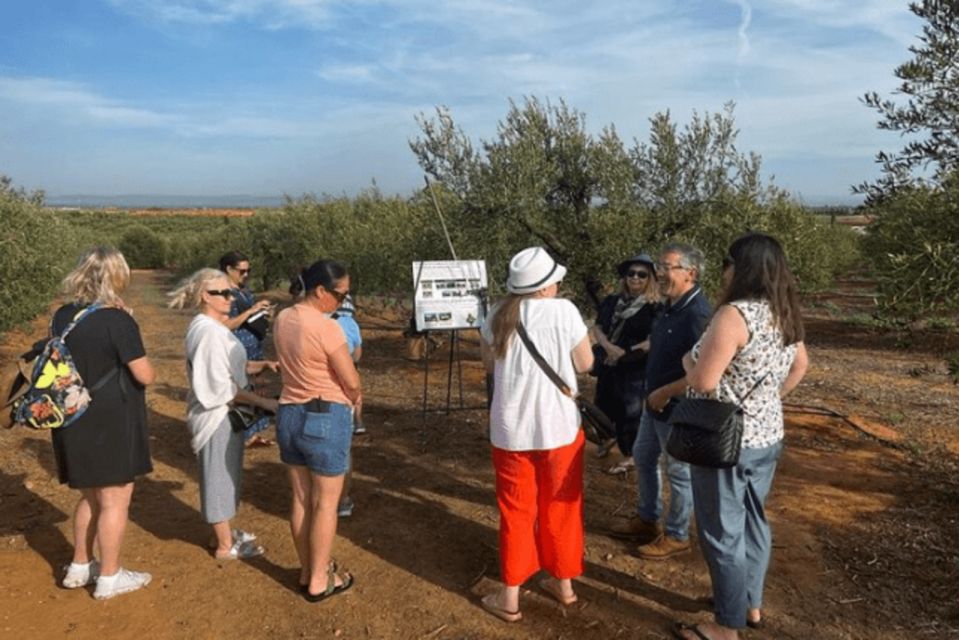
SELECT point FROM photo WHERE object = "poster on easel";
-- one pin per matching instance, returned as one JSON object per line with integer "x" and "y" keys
{"x": 449, "y": 294}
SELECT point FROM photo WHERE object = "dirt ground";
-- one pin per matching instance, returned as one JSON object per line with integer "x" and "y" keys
{"x": 865, "y": 531}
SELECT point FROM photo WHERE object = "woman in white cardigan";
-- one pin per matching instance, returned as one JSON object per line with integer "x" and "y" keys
{"x": 217, "y": 369}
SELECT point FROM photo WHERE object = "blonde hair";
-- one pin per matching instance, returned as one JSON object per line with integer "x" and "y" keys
{"x": 651, "y": 292}
{"x": 101, "y": 275}
{"x": 504, "y": 322}
{"x": 189, "y": 292}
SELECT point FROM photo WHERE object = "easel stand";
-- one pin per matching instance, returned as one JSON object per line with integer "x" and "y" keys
{"x": 455, "y": 355}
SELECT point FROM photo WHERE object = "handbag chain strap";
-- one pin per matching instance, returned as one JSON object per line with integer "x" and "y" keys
{"x": 742, "y": 400}
{"x": 541, "y": 361}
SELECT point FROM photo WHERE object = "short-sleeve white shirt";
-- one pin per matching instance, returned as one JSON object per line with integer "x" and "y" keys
{"x": 528, "y": 411}
{"x": 216, "y": 368}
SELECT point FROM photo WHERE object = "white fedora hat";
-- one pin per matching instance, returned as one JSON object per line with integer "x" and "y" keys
{"x": 533, "y": 269}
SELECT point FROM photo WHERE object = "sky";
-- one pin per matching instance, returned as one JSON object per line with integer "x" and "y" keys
{"x": 272, "y": 97}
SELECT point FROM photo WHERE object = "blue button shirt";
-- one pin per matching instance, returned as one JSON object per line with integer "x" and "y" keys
{"x": 674, "y": 333}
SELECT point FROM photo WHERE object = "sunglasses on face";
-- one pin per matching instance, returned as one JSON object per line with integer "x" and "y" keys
{"x": 339, "y": 296}
{"x": 642, "y": 275}
{"x": 224, "y": 293}
{"x": 728, "y": 262}
{"x": 242, "y": 272}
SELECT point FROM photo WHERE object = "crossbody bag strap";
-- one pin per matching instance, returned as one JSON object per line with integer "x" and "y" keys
{"x": 541, "y": 361}
{"x": 742, "y": 400}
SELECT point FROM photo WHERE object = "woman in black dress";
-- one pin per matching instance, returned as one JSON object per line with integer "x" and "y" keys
{"x": 108, "y": 446}
{"x": 621, "y": 341}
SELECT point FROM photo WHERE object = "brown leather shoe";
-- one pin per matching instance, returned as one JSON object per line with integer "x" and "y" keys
{"x": 635, "y": 528}
{"x": 662, "y": 547}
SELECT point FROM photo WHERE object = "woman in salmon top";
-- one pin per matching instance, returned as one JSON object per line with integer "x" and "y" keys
{"x": 315, "y": 419}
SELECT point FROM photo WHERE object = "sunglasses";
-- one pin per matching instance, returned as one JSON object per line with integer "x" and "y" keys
{"x": 728, "y": 262}
{"x": 225, "y": 293}
{"x": 642, "y": 275}
{"x": 339, "y": 296}
{"x": 242, "y": 272}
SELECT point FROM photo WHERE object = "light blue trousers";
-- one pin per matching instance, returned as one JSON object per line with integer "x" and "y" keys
{"x": 733, "y": 532}
{"x": 649, "y": 447}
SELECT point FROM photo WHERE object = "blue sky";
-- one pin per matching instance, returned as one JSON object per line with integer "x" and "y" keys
{"x": 265, "y": 97}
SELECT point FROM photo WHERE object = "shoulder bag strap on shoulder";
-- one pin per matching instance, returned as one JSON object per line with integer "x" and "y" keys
{"x": 541, "y": 361}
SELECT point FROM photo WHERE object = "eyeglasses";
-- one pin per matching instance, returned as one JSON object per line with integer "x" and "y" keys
{"x": 242, "y": 272}
{"x": 662, "y": 266}
{"x": 340, "y": 296}
{"x": 225, "y": 293}
{"x": 642, "y": 275}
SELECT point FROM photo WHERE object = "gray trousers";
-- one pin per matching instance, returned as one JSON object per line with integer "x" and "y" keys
{"x": 221, "y": 472}
{"x": 733, "y": 532}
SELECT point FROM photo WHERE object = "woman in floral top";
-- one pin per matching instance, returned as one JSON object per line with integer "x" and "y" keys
{"x": 755, "y": 339}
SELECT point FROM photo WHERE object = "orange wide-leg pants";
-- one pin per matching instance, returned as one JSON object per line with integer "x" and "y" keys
{"x": 540, "y": 498}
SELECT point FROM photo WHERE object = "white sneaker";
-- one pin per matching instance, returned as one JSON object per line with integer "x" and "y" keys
{"x": 80, "y": 575}
{"x": 121, "y": 582}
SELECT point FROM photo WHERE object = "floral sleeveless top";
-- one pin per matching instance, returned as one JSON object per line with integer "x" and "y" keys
{"x": 763, "y": 355}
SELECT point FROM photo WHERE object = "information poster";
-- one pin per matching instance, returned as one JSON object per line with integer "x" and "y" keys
{"x": 450, "y": 294}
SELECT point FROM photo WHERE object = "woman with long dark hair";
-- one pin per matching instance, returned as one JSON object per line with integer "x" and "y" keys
{"x": 315, "y": 420}
{"x": 752, "y": 353}
{"x": 535, "y": 433}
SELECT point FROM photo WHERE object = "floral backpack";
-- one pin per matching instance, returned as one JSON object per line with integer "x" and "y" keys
{"x": 49, "y": 392}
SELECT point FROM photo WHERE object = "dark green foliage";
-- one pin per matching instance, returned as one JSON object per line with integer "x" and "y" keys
{"x": 36, "y": 250}
{"x": 914, "y": 248}
{"x": 143, "y": 248}
{"x": 930, "y": 82}
{"x": 545, "y": 180}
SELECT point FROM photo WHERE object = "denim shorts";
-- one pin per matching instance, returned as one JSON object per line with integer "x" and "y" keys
{"x": 320, "y": 441}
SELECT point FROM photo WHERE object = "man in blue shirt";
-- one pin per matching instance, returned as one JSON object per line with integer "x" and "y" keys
{"x": 674, "y": 333}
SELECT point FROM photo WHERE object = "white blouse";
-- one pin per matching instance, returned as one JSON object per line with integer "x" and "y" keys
{"x": 763, "y": 354}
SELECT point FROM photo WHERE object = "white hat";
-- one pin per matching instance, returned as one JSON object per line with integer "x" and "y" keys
{"x": 533, "y": 269}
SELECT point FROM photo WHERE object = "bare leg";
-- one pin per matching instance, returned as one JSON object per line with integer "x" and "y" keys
{"x": 508, "y": 598}
{"x": 301, "y": 514}
{"x": 325, "y": 499}
{"x": 114, "y": 504}
{"x": 224, "y": 538}
{"x": 85, "y": 517}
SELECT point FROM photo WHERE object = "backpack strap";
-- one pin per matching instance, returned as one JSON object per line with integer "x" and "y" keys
{"x": 109, "y": 375}
{"x": 83, "y": 313}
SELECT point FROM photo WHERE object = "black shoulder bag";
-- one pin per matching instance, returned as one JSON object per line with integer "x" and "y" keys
{"x": 596, "y": 424}
{"x": 707, "y": 432}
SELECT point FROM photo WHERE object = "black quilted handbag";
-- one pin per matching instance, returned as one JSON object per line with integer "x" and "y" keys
{"x": 707, "y": 433}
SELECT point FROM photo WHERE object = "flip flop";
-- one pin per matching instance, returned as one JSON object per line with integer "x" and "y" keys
{"x": 489, "y": 603}
{"x": 756, "y": 624}
{"x": 551, "y": 587}
{"x": 332, "y": 588}
{"x": 679, "y": 627}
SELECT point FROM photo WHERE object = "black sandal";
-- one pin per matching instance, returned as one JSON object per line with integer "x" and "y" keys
{"x": 331, "y": 587}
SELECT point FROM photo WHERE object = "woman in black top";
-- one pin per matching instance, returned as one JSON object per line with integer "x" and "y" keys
{"x": 621, "y": 341}
{"x": 108, "y": 446}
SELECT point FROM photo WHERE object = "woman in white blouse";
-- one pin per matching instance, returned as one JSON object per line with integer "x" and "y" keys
{"x": 217, "y": 369}
{"x": 535, "y": 433}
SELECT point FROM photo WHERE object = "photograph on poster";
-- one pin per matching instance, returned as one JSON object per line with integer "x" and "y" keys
{"x": 449, "y": 294}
